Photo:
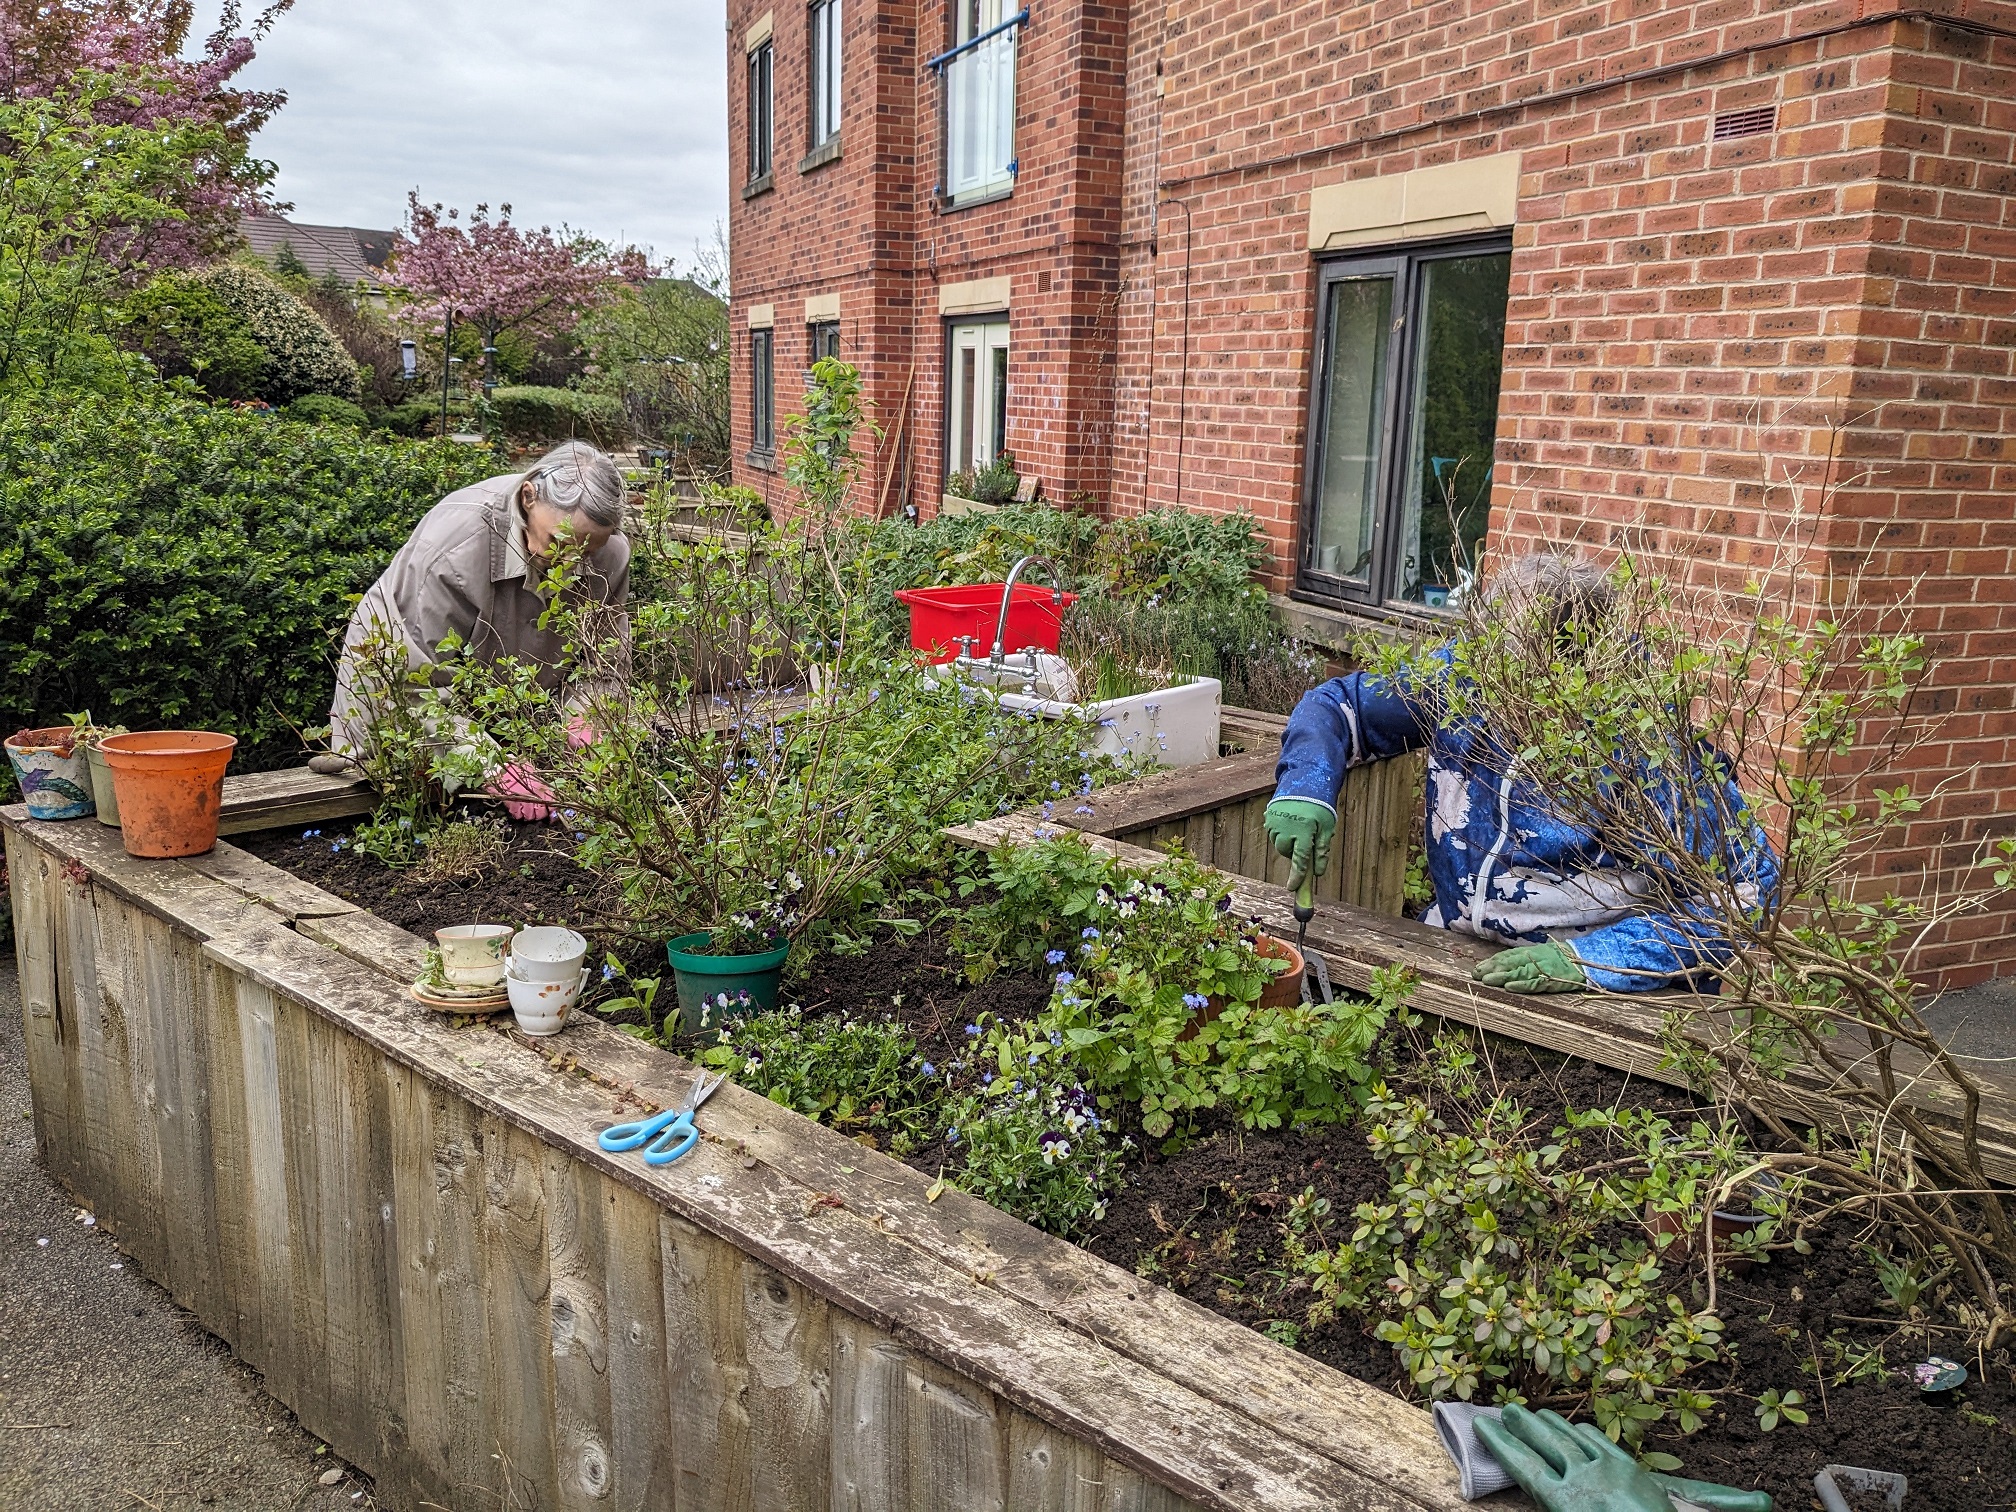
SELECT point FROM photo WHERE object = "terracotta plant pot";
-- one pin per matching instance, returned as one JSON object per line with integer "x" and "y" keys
{"x": 170, "y": 785}
{"x": 1283, "y": 992}
{"x": 104, "y": 792}
{"x": 49, "y": 764}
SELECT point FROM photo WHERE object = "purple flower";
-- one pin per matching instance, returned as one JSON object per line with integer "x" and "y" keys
{"x": 972, "y": 1030}
{"x": 1089, "y": 933}
{"x": 1195, "y": 1000}
{"x": 1065, "y": 979}
{"x": 929, "y": 1069}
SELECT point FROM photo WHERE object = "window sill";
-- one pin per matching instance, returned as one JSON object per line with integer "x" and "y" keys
{"x": 758, "y": 186}
{"x": 945, "y": 206}
{"x": 826, "y": 152}
{"x": 762, "y": 461}
{"x": 1335, "y": 626}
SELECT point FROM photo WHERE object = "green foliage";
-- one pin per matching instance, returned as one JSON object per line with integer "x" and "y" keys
{"x": 1039, "y": 1150}
{"x": 1496, "y": 1261}
{"x": 327, "y": 409}
{"x": 165, "y": 563}
{"x": 303, "y": 355}
{"x": 182, "y": 327}
{"x": 84, "y": 181}
{"x": 416, "y": 417}
{"x": 632, "y": 344}
{"x": 862, "y": 1076}
{"x": 1773, "y": 1405}
{"x": 996, "y": 483}
{"x": 1143, "y": 958}
{"x": 556, "y": 414}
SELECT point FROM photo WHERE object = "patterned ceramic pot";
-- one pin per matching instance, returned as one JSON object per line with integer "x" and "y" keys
{"x": 54, "y": 779}
{"x": 472, "y": 955}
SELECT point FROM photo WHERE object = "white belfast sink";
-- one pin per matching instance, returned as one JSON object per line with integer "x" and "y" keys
{"x": 1173, "y": 727}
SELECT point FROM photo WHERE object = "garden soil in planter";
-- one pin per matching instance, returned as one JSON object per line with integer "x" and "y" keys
{"x": 1207, "y": 1222}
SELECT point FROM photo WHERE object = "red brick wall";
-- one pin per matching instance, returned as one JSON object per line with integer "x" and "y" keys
{"x": 1707, "y": 341}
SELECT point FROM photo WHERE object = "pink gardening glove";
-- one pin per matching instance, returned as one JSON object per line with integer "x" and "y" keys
{"x": 580, "y": 733}
{"x": 519, "y": 781}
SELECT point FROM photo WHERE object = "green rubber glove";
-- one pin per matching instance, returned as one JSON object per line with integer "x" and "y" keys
{"x": 1532, "y": 968}
{"x": 1573, "y": 1467}
{"x": 1302, "y": 831}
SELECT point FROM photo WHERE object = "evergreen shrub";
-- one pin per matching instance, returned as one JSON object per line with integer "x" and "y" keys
{"x": 303, "y": 356}
{"x": 532, "y": 414}
{"x": 165, "y": 563}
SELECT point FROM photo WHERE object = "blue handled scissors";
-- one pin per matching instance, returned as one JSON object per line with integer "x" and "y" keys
{"x": 668, "y": 1135}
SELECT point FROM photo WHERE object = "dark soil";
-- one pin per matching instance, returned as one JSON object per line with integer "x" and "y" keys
{"x": 1209, "y": 1221}
{"x": 536, "y": 883}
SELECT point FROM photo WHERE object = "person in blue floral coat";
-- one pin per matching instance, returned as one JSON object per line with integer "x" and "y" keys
{"x": 1506, "y": 866}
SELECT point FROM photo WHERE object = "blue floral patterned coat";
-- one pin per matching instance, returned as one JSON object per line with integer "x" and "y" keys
{"x": 1505, "y": 866}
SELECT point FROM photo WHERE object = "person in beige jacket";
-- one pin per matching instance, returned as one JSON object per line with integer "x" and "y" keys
{"x": 473, "y": 568}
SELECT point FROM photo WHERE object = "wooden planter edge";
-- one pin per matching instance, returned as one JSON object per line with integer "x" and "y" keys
{"x": 1199, "y": 1404}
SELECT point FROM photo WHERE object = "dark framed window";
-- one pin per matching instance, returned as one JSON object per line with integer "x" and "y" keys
{"x": 824, "y": 71}
{"x": 1403, "y": 422}
{"x": 762, "y": 68}
{"x": 825, "y": 339}
{"x": 762, "y": 392}
{"x": 976, "y": 393}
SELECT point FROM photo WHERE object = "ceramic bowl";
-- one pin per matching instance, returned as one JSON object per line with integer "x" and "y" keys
{"x": 547, "y": 954}
{"x": 544, "y": 1007}
{"x": 472, "y": 955}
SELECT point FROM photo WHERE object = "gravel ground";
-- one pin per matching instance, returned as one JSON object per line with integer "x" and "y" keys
{"x": 111, "y": 1396}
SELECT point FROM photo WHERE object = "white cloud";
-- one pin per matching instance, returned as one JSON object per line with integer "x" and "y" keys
{"x": 608, "y": 115}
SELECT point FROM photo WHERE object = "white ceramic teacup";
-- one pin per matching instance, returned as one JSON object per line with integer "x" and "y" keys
{"x": 544, "y": 1007}
{"x": 547, "y": 954}
{"x": 472, "y": 955}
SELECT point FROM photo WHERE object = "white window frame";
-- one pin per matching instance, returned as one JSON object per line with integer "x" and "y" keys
{"x": 979, "y": 76}
{"x": 977, "y": 381}
{"x": 823, "y": 67}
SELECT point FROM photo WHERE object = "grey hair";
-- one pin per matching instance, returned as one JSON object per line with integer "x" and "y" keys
{"x": 1569, "y": 590}
{"x": 574, "y": 476}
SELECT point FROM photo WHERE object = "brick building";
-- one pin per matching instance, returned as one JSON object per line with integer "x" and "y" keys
{"x": 1407, "y": 280}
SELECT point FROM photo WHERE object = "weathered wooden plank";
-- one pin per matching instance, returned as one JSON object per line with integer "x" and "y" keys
{"x": 870, "y": 1394}
{"x": 1163, "y": 796}
{"x": 787, "y": 1342}
{"x": 270, "y": 1298}
{"x": 174, "y": 1031}
{"x": 957, "y": 1443}
{"x": 304, "y": 1109}
{"x": 709, "y": 1380}
{"x": 371, "y": 942}
{"x": 643, "y": 1460}
{"x": 273, "y": 800}
{"x": 578, "y": 1262}
{"x": 517, "y": 1325}
{"x": 261, "y": 882}
{"x": 50, "y": 1035}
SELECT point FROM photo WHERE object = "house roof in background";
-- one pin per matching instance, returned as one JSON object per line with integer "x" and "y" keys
{"x": 350, "y": 252}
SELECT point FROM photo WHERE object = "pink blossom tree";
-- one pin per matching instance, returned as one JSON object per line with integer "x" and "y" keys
{"x": 48, "y": 46}
{"x": 502, "y": 277}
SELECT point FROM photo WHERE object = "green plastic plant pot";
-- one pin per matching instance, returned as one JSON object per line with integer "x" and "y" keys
{"x": 722, "y": 986}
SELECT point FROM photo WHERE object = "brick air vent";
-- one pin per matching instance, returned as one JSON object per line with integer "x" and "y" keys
{"x": 1742, "y": 123}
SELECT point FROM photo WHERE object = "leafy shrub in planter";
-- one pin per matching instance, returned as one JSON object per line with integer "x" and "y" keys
{"x": 329, "y": 410}
{"x": 556, "y": 414}
{"x": 164, "y": 562}
{"x": 996, "y": 483}
{"x": 303, "y": 355}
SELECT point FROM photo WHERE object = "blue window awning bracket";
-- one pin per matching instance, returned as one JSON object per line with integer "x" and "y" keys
{"x": 972, "y": 42}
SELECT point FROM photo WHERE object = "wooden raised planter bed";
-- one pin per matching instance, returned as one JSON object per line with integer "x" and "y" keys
{"x": 408, "y": 1228}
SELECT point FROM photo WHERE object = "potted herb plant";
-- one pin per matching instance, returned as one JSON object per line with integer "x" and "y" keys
{"x": 103, "y": 793}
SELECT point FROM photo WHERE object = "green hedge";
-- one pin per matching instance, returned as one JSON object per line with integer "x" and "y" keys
{"x": 166, "y": 564}
{"x": 557, "y": 414}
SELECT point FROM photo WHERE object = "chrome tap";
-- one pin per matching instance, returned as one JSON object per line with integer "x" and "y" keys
{"x": 994, "y": 656}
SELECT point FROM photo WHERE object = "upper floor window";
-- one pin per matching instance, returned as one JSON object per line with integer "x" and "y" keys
{"x": 761, "y": 114}
{"x": 1403, "y": 424}
{"x": 825, "y": 338}
{"x": 979, "y": 75}
{"x": 825, "y": 71}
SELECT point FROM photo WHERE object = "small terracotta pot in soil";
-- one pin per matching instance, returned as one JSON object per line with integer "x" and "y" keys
{"x": 103, "y": 791}
{"x": 171, "y": 789}
{"x": 1728, "y": 1226}
{"x": 1283, "y": 992}
{"x": 52, "y": 772}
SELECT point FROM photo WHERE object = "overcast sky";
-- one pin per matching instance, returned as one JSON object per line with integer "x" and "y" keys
{"x": 608, "y": 115}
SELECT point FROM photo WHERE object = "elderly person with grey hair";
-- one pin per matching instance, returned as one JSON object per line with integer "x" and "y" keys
{"x": 473, "y": 568}
{"x": 1506, "y": 865}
